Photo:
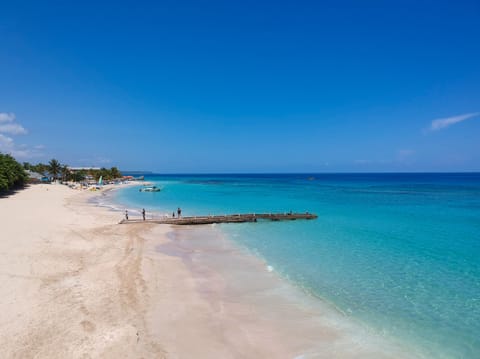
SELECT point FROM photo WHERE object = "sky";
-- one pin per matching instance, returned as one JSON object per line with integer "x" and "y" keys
{"x": 242, "y": 86}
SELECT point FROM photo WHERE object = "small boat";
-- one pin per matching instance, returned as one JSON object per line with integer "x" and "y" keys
{"x": 149, "y": 189}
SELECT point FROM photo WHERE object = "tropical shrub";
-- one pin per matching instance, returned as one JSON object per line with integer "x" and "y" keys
{"x": 12, "y": 174}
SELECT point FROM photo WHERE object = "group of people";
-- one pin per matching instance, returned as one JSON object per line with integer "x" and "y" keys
{"x": 179, "y": 213}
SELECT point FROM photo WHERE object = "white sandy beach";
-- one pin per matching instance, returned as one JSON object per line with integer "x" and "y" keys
{"x": 75, "y": 284}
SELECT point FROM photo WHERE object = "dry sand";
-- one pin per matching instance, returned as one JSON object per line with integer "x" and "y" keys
{"x": 71, "y": 283}
{"x": 75, "y": 284}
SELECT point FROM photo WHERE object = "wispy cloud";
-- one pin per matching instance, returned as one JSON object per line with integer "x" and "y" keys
{"x": 5, "y": 141}
{"x": 7, "y": 117}
{"x": 25, "y": 152}
{"x": 8, "y": 145}
{"x": 9, "y": 126}
{"x": 442, "y": 123}
{"x": 13, "y": 129}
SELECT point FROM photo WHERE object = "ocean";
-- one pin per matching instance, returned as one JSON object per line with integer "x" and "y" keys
{"x": 399, "y": 253}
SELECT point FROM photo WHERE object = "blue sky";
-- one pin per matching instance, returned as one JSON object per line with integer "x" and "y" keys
{"x": 242, "y": 86}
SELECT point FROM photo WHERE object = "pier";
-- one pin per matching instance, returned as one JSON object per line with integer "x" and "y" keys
{"x": 230, "y": 218}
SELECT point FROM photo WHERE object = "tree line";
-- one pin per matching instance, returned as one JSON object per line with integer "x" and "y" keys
{"x": 57, "y": 171}
{"x": 12, "y": 174}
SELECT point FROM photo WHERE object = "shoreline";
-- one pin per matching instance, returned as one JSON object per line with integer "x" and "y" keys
{"x": 77, "y": 284}
{"x": 254, "y": 267}
{"x": 230, "y": 277}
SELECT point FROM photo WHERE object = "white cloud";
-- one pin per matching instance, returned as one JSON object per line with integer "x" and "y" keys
{"x": 5, "y": 142}
{"x": 7, "y": 117}
{"x": 442, "y": 123}
{"x": 8, "y": 145}
{"x": 8, "y": 124}
{"x": 13, "y": 129}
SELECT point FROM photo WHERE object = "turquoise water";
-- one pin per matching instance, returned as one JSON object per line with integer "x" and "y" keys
{"x": 397, "y": 252}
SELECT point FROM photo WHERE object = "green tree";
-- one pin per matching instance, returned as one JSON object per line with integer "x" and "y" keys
{"x": 12, "y": 174}
{"x": 79, "y": 176}
{"x": 40, "y": 168}
{"x": 65, "y": 172}
{"x": 115, "y": 173}
{"x": 54, "y": 168}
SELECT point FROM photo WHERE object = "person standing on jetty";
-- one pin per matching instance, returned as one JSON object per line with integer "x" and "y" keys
{"x": 143, "y": 213}
{"x": 179, "y": 212}
{"x": 126, "y": 214}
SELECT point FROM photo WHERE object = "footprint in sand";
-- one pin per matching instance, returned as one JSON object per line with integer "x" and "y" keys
{"x": 88, "y": 326}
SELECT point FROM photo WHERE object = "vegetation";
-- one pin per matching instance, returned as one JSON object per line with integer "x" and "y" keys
{"x": 12, "y": 174}
{"x": 108, "y": 174}
{"x": 78, "y": 176}
{"x": 55, "y": 170}
{"x": 65, "y": 172}
{"x": 38, "y": 168}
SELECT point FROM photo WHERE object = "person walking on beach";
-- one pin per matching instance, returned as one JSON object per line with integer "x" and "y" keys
{"x": 126, "y": 215}
{"x": 179, "y": 212}
{"x": 173, "y": 214}
{"x": 143, "y": 213}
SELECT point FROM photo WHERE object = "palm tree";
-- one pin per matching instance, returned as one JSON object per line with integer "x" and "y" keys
{"x": 115, "y": 173}
{"x": 54, "y": 168}
{"x": 40, "y": 168}
{"x": 65, "y": 172}
{"x": 79, "y": 176}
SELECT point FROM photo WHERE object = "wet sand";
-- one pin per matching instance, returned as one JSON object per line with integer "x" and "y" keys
{"x": 241, "y": 308}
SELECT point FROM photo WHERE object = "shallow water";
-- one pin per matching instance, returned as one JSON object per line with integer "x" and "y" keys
{"x": 246, "y": 296}
{"x": 397, "y": 252}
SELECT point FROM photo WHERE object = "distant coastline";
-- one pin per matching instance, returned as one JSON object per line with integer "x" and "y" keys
{"x": 247, "y": 173}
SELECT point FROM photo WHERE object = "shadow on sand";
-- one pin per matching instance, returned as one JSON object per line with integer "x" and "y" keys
{"x": 11, "y": 192}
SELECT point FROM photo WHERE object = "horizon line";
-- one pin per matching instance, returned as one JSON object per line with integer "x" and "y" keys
{"x": 302, "y": 173}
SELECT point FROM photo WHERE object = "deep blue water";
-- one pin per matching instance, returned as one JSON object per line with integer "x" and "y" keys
{"x": 398, "y": 252}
